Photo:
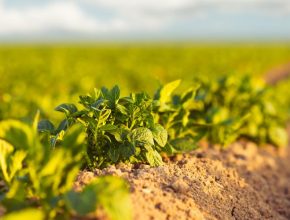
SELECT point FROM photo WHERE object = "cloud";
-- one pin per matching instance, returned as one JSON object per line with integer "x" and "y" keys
{"x": 164, "y": 7}
{"x": 69, "y": 16}
{"x": 96, "y": 17}
{"x": 63, "y": 16}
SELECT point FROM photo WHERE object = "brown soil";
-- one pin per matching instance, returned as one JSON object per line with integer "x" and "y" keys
{"x": 241, "y": 182}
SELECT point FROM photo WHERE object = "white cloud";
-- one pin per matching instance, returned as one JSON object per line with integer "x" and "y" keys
{"x": 69, "y": 16}
{"x": 63, "y": 16}
{"x": 72, "y": 16}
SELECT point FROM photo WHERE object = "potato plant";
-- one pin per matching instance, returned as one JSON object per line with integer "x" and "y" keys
{"x": 118, "y": 129}
{"x": 139, "y": 128}
{"x": 242, "y": 107}
{"x": 37, "y": 181}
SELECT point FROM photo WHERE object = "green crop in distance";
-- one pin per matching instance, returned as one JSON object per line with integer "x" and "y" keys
{"x": 242, "y": 107}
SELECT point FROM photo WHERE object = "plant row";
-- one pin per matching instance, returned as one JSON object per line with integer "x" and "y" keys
{"x": 36, "y": 182}
{"x": 139, "y": 128}
{"x": 39, "y": 162}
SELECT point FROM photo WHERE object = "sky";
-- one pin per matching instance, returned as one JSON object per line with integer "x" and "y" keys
{"x": 77, "y": 20}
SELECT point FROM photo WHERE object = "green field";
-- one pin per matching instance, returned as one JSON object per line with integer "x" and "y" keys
{"x": 41, "y": 77}
{"x": 60, "y": 113}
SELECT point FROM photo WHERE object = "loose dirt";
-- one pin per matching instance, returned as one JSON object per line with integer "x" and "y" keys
{"x": 240, "y": 182}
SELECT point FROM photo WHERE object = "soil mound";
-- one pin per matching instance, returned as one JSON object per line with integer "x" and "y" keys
{"x": 241, "y": 182}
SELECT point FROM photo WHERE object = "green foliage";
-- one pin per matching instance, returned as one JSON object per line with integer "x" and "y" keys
{"x": 108, "y": 193}
{"x": 138, "y": 128}
{"x": 35, "y": 175}
{"x": 29, "y": 213}
{"x": 118, "y": 129}
{"x": 42, "y": 76}
{"x": 241, "y": 107}
{"x": 174, "y": 113}
{"x": 38, "y": 170}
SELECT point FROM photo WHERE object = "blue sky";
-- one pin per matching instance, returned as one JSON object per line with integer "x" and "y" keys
{"x": 28, "y": 20}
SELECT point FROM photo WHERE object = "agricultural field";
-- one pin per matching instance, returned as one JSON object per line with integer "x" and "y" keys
{"x": 144, "y": 131}
{"x": 41, "y": 77}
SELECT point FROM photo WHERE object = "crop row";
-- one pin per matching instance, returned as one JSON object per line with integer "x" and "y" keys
{"x": 39, "y": 162}
{"x": 139, "y": 128}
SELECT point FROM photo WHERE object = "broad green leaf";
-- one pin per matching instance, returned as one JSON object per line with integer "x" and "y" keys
{"x": 45, "y": 126}
{"x": 20, "y": 135}
{"x": 127, "y": 150}
{"x": 114, "y": 197}
{"x": 110, "y": 193}
{"x": 278, "y": 136}
{"x": 142, "y": 136}
{"x": 160, "y": 135}
{"x": 184, "y": 144}
{"x": 154, "y": 158}
{"x": 167, "y": 90}
{"x": 82, "y": 203}
{"x": 67, "y": 108}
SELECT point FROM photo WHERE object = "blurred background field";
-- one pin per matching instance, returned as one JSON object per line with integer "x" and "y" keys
{"x": 42, "y": 76}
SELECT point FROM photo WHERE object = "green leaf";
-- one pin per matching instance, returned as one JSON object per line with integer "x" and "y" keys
{"x": 16, "y": 163}
{"x": 63, "y": 126}
{"x": 114, "y": 197}
{"x": 153, "y": 158}
{"x": 45, "y": 126}
{"x": 31, "y": 214}
{"x": 66, "y": 108}
{"x": 114, "y": 154}
{"x": 35, "y": 121}
{"x": 160, "y": 135}
{"x": 5, "y": 150}
{"x": 117, "y": 135}
{"x": 110, "y": 193}
{"x": 278, "y": 136}
{"x": 122, "y": 109}
{"x": 184, "y": 144}
{"x": 142, "y": 136}
{"x": 190, "y": 93}
{"x": 112, "y": 96}
{"x": 169, "y": 149}
{"x": 115, "y": 93}
{"x": 127, "y": 150}
{"x": 164, "y": 95}
{"x": 20, "y": 135}
{"x": 108, "y": 127}
{"x": 83, "y": 202}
